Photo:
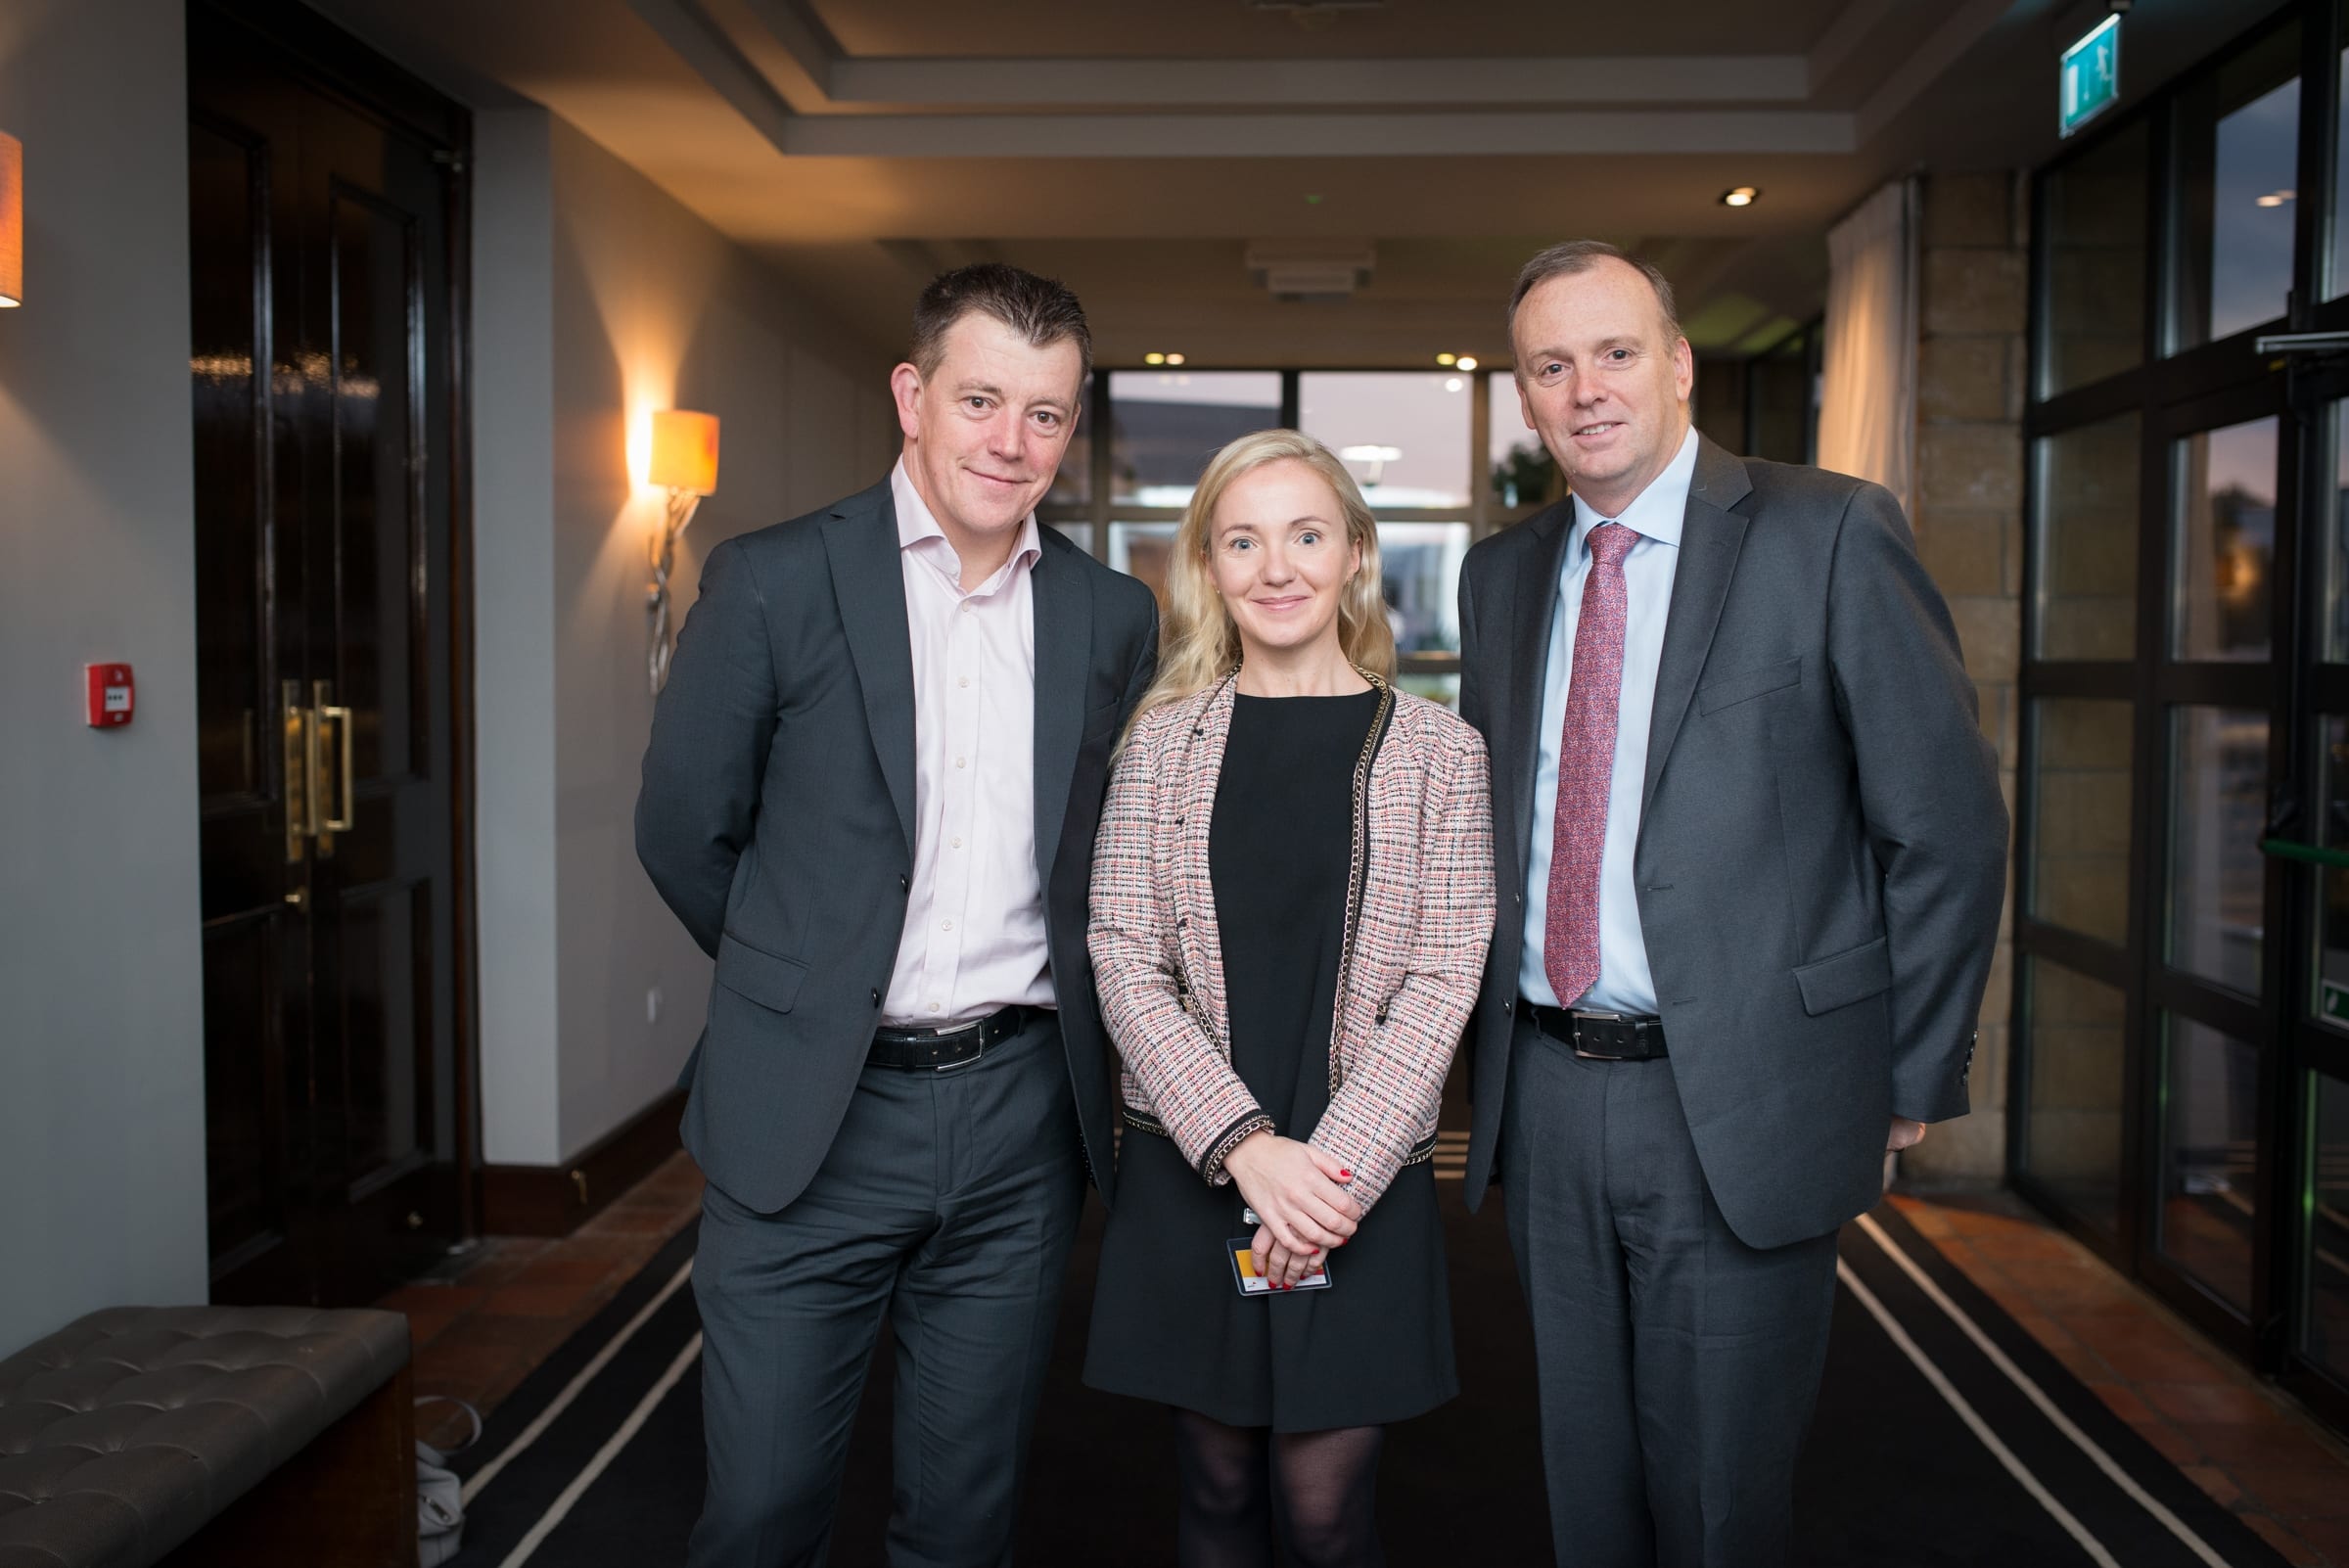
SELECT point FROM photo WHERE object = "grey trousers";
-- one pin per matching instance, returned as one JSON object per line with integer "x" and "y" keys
{"x": 1678, "y": 1366}
{"x": 947, "y": 1202}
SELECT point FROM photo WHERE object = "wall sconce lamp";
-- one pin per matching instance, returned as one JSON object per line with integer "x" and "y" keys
{"x": 12, "y": 220}
{"x": 685, "y": 464}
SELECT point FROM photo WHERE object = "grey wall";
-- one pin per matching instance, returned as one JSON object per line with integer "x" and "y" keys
{"x": 514, "y": 633}
{"x": 598, "y": 300}
{"x": 102, "y": 1047}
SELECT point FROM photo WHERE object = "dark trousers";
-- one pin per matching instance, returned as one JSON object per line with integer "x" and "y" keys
{"x": 947, "y": 1203}
{"x": 1678, "y": 1366}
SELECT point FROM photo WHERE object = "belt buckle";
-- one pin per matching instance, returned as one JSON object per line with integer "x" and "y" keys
{"x": 979, "y": 1029}
{"x": 1594, "y": 1015}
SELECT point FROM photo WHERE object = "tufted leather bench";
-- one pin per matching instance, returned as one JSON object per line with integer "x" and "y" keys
{"x": 195, "y": 1435}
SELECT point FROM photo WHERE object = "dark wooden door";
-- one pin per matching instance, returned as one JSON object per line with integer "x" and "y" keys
{"x": 325, "y": 208}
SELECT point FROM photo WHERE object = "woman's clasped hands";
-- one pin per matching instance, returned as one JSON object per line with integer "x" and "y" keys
{"x": 1299, "y": 1195}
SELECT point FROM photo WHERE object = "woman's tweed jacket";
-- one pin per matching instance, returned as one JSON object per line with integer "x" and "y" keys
{"x": 1416, "y": 957}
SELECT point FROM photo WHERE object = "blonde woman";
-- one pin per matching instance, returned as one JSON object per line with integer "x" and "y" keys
{"x": 1292, "y": 895}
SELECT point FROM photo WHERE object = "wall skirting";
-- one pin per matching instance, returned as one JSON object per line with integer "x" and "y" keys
{"x": 554, "y": 1200}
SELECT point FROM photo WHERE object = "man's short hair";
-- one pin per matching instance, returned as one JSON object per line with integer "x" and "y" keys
{"x": 1580, "y": 255}
{"x": 1040, "y": 310}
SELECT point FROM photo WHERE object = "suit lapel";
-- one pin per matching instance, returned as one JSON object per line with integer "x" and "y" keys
{"x": 1532, "y": 612}
{"x": 1711, "y": 536}
{"x": 869, "y": 582}
{"x": 1062, "y": 596}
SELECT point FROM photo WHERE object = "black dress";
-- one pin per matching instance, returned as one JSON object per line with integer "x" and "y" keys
{"x": 1169, "y": 1324}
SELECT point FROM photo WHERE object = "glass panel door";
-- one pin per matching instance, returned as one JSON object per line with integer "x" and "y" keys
{"x": 2310, "y": 848}
{"x": 2209, "y": 1047}
{"x": 2237, "y": 130}
{"x": 2181, "y": 929}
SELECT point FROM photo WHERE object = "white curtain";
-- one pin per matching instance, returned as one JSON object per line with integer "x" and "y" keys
{"x": 1867, "y": 378}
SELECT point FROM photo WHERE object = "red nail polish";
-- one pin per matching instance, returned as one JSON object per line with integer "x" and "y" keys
{"x": 1344, "y": 1175}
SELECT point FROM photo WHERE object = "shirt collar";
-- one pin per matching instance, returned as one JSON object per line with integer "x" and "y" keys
{"x": 1655, "y": 513}
{"x": 916, "y": 524}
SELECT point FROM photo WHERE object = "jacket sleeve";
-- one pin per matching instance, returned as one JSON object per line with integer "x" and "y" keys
{"x": 712, "y": 727}
{"x": 1472, "y": 665}
{"x": 1145, "y": 667}
{"x": 1393, "y": 1086}
{"x": 1131, "y": 931}
{"x": 1930, "y": 797}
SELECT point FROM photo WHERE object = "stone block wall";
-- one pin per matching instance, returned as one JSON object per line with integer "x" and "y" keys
{"x": 1972, "y": 365}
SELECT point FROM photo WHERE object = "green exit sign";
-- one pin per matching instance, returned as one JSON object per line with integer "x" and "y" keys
{"x": 2091, "y": 74}
{"x": 2332, "y": 1002}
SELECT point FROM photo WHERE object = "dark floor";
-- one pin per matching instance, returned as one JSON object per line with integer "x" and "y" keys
{"x": 505, "y": 1308}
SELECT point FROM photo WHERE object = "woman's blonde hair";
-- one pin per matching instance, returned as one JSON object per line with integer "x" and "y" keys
{"x": 1201, "y": 643}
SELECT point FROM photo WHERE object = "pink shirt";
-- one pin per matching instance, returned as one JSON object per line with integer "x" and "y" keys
{"x": 974, "y": 937}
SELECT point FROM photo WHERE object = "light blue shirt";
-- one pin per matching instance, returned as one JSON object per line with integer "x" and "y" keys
{"x": 1624, "y": 983}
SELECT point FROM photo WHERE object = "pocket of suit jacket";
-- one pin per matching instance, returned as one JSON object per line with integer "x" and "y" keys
{"x": 1744, "y": 685}
{"x": 767, "y": 978}
{"x": 1850, "y": 976}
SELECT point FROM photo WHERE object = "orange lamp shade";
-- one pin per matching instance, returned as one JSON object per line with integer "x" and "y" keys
{"x": 684, "y": 452}
{"x": 12, "y": 220}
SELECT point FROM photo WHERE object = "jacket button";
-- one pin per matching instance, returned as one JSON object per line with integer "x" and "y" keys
{"x": 1508, "y": 1007}
{"x": 876, "y": 995}
{"x": 904, "y": 884}
{"x": 1181, "y": 921}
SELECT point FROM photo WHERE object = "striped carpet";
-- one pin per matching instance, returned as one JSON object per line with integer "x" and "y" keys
{"x": 1944, "y": 1435}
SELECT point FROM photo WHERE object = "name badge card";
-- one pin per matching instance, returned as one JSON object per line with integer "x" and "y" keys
{"x": 1242, "y": 1250}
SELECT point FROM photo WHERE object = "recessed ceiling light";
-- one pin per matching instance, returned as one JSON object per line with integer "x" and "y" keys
{"x": 1453, "y": 383}
{"x": 1173, "y": 359}
{"x": 1466, "y": 362}
{"x": 1154, "y": 359}
{"x": 1446, "y": 359}
{"x": 2277, "y": 198}
{"x": 1740, "y": 195}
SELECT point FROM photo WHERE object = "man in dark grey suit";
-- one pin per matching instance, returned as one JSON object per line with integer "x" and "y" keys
{"x": 870, "y": 795}
{"x": 1751, "y": 850}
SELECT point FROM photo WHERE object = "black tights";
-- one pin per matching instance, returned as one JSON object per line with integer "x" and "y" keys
{"x": 1239, "y": 1482}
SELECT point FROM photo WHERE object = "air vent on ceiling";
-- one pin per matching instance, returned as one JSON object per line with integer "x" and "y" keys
{"x": 1312, "y": 269}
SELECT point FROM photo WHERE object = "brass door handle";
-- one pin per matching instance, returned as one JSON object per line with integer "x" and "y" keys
{"x": 346, "y": 809}
{"x": 306, "y": 767}
{"x": 299, "y": 754}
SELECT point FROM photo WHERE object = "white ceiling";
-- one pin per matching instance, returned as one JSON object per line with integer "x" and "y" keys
{"x": 1135, "y": 147}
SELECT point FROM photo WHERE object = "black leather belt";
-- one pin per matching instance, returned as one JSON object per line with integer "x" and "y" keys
{"x": 939, "y": 1049}
{"x": 1596, "y": 1035}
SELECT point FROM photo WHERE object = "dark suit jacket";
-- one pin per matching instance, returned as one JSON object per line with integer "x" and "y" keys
{"x": 1823, "y": 843}
{"x": 776, "y": 818}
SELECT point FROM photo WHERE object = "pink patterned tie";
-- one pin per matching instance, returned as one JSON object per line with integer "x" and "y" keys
{"x": 1586, "y": 769}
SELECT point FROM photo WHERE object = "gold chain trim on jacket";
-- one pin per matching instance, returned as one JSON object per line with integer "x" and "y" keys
{"x": 1213, "y": 1166}
{"x": 1358, "y": 865}
{"x": 1420, "y": 1153}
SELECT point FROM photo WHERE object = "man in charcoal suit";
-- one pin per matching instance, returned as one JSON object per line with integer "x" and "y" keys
{"x": 870, "y": 795}
{"x": 1751, "y": 850}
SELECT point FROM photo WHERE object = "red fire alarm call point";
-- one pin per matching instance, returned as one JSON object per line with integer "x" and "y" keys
{"x": 113, "y": 695}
